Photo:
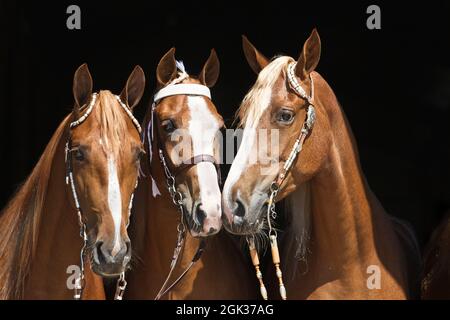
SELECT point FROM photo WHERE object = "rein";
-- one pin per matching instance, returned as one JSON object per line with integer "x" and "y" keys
{"x": 175, "y": 88}
{"x": 277, "y": 183}
{"x": 80, "y": 280}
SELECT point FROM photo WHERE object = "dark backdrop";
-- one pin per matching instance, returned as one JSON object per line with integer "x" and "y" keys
{"x": 393, "y": 83}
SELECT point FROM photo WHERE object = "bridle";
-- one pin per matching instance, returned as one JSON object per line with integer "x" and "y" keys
{"x": 172, "y": 90}
{"x": 277, "y": 183}
{"x": 177, "y": 88}
{"x": 80, "y": 279}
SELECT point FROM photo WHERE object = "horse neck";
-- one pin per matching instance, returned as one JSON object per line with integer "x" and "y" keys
{"x": 59, "y": 236}
{"x": 345, "y": 214}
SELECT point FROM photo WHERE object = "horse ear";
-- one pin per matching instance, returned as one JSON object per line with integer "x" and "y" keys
{"x": 82, "y": 86}
{"x": 255, "y": 59}
{"x": 210, "y": 72}
{"x": 134, "y": 88}
{"x": 309, "y": 57}
{"x": 166, "y": 70}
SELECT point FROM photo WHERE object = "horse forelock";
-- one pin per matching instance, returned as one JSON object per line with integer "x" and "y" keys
{"x": 111, "y": 122}
{"x": 255, "y": 101}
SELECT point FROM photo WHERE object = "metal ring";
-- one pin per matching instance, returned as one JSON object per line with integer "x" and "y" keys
{"x": 178, "y": 198}
{"x": 274, "y": 187}
{"x": 273, "y": 232}
{"x": 181, "y": 228}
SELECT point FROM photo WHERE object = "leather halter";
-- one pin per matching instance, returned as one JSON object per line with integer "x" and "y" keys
{"x": 196, "y": 160}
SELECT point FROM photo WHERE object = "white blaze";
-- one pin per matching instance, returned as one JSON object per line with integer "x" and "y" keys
{"x": 246, "y": 149}
{"x": 114, "y": 202}
{"x": 203, "y": 127}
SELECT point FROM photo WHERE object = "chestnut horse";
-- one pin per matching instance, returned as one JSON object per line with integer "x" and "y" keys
{"x": 82, "y": 185}
{"x": 337, "y": 241}
{"x": 436, "y": 275}
{"x": 183, "y": 114}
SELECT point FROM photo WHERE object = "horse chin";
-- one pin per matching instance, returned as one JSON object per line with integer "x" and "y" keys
{"x": 245, "y": 228}
{"x": 108, "y": 270}
{"x": 203, "y": 234}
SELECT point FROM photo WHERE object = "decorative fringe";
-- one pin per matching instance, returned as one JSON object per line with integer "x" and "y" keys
{"x": 255, "y": 261}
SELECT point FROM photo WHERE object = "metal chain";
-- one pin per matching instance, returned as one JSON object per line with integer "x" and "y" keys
{"x": 271, "y": 213}
{"x": 120, "y": 287}
{"x": 177, "y": 199}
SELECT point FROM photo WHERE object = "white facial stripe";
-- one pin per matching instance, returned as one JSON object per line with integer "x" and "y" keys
{"x": 203, "y": 127}
{"x": 241, "y": 161}
{"x": 114, "y": 202}
{"x": 209, "y": 189}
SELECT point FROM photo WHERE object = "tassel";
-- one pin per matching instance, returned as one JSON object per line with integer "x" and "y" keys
{"x": 276, "y": 262}
{"x": 255, "y": 261}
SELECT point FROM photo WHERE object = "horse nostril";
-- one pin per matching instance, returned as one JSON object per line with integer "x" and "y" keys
{"x": 98, "y": 253}
{"x": 200, "y": 215}
{"x": 240, "y": 210}
{"x": 128, "y": 246}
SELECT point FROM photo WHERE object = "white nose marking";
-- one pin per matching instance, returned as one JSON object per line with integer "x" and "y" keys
{"x": 114, "y": 202}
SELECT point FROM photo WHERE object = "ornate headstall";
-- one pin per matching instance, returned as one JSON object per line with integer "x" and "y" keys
{"x": 80, "y": 280}
{"x": 277, "y": 183}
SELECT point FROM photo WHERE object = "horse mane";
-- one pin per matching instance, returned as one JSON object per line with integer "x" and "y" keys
{"x": 19, "y": 221}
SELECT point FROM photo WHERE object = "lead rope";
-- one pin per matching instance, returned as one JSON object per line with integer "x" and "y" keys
{"x": 80, "y": 279}
{"x": 275, "y": 186}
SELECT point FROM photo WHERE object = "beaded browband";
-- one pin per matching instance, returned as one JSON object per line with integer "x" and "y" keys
{"x": 91, "y": 107}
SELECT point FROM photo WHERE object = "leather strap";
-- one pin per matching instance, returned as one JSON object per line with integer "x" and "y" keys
{"x": 183, "y": 88}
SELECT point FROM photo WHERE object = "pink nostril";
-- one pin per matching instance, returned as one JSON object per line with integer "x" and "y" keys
{"x": 227, "y": 213}
{"x": 212, "y": 225}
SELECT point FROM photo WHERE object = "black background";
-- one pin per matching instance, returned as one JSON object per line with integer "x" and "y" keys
{"x": 393, "y": 83}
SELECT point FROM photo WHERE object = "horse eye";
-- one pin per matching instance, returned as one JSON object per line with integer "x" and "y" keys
{"x": 79, "y": 156}
{"x": 168, "y": 126}
{"x": 285, "y": 116}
